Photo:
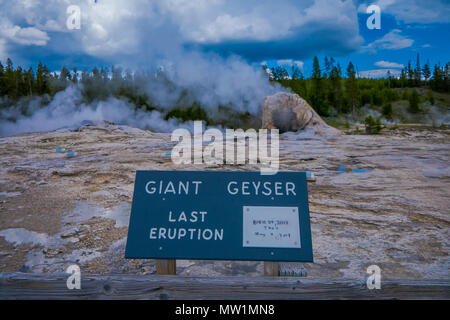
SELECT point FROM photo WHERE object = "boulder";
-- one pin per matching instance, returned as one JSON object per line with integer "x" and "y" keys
{"x": 289, "y": 112}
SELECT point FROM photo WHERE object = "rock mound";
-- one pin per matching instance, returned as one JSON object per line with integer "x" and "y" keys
{"x": 289, "y": 112}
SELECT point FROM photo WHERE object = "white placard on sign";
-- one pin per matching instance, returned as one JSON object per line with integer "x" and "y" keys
{"x": 271, "y": 227}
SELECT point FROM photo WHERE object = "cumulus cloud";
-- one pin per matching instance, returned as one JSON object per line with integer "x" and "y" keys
{"x": 23, "y": 36}
{"x": 300, "y": 30}
{"x": 392, "y": 40}
{"x": 254, "y": 29}
{"x": 387, "y": 64}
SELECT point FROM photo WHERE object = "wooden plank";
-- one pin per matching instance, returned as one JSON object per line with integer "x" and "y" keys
{"x": 53, "y": 286}
{"x": 166, "y": 267}
{"x": 271, "y": 269}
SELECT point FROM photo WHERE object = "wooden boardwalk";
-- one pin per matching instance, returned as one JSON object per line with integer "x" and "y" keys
{"x": 53, "y": 286}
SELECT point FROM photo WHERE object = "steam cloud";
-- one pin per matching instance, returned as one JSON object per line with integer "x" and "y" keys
{"x": 65, "y": 110}
{"x": 211, "y": 80}
{"x": 214, "y": 81}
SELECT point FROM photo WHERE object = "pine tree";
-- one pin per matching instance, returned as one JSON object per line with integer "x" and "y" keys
{"x": 17, "y": 80}
{"x": 327, "y": 67}
{"x": 9, "y": 64}
{"x": 351, "y": 87}
{"x": 403, "y": 78}
{"x": 417, "y": 72}
{"x": 104, "y": 75}
{"x": 2, "y": 79}
{"x": 410, "y": 74}
{"x": 29, "y": 81}
{"x": 75, "y": 75}
{"x": 426, "y": 71}
{"x": 437, "y": 78}
{"x": 10, "y": 81}
{"x": 42, "y": 79}
{"x": 317, "y": 101}
{"x": 84, "y": 75}
{"x": 446, "y": 75}
{"x": 296, "y": 73}
{"x": 64, "y": 74}
{"x": 96, "y": 74}
{"x": 279, "y": 73}
{"x": 336, "y": 88}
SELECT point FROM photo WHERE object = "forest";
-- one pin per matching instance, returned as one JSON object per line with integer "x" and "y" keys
{"x": 419, "y": 93}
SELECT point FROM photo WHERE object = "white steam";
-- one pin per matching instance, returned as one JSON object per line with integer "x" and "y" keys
{"x": 66, "y": 111}
{"x": 214, "y": 81}
{"x": 208, "y": 79}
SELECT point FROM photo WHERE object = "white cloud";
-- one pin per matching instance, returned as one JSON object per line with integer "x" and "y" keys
{"x": 391, "y": 41}
{"x": 290, "y": 62}
{"x": 379, "y": 73}
{"x": 412, "y": 11}
{"x": 48, "y": 15}
{"x": 387, "y": 64}
{"x": 145, "y": 29}
{"x": 299, "y": 64}
{"x": 24, "y": 36}
{"x": 206, "y": 21}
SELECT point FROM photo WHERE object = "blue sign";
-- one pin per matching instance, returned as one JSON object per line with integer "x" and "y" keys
{"x": 220, "y": 216}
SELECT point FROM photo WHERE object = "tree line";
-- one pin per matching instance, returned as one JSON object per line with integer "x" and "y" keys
{"x": 330, "y": 93}
{"x": 327, "y": 90}
{"x": 98, "y": 84}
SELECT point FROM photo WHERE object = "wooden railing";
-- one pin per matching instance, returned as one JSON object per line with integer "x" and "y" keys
{"x": 53, "y": 286}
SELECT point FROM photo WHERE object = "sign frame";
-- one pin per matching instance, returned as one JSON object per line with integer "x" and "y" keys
{"x": 224, "y": 210}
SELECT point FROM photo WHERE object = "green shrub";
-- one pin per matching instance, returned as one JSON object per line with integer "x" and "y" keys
{"x": 372, "y": 126}
{"x": 414, "y": 102}
{"x": 394, "y": 127}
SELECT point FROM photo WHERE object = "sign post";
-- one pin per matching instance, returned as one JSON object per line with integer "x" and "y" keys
{"x": 168, "y": 267}
{"x": 211, "y": 215}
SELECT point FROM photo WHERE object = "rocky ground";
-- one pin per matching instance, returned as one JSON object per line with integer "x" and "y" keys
{"x": 58, "y": 209}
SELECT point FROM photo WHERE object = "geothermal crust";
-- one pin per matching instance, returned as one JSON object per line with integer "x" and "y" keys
{"x": 58, "y": 209}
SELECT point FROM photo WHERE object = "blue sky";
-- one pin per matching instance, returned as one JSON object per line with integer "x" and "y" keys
{"x": 430, "y": 41}
{"x": 144, "y": 34}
